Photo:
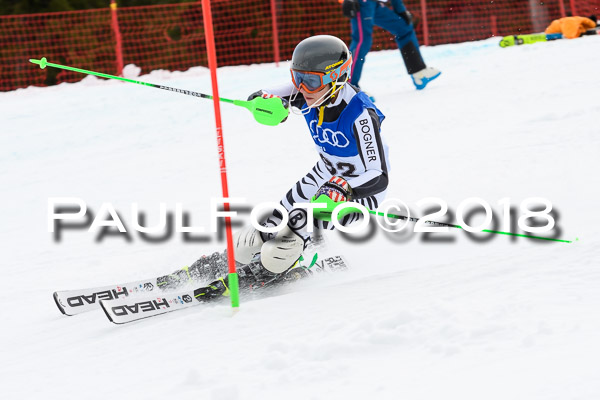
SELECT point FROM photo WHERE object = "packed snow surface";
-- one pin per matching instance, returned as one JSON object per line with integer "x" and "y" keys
{"x": 418, "y": 316}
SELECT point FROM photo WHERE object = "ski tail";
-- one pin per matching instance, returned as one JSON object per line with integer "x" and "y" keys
{"x": 57, "y": 300}
{"x": 107, "y": 313}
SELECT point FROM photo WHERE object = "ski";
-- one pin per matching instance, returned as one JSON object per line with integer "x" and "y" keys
{"x": 146, "y": 305}
{"x": 206, "y": 269}
{"x": 73, "y": 302}
{"x": 517, "y": 40}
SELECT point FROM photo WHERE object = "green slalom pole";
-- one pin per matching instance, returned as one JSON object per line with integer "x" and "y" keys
{"x": 265, "y": 111}
{"x": 460, "y": 227}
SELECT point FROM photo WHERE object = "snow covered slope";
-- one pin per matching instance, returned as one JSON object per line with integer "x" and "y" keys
{"x": 506, "y": 318}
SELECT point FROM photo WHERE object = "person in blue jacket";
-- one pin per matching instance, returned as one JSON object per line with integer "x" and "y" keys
{"x": 346, "y": 129}
{"x": 364, "y": 14}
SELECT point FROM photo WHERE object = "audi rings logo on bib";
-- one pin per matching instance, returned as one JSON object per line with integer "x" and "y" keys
{"x": 326, "y": 135}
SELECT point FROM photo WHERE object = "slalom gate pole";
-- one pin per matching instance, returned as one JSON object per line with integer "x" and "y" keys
{"x": 212, "y": 64}
{"x": 265, "y": 111}
{"x": 412, "y": 219}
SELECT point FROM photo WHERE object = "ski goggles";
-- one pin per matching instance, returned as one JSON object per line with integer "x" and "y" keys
{"x": 313, "y": 82}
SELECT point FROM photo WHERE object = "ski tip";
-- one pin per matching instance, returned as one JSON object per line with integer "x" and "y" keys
{"x": 60, "y": 306}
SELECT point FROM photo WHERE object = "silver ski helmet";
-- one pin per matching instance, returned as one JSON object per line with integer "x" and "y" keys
{"x": 320, "y": 60}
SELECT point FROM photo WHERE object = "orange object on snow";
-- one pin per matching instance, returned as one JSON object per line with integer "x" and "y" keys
{"x": 571, "y": 27}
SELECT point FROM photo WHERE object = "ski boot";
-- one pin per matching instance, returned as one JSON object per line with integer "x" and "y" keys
{"x": 252, "y": 278}
{"x": 424, "y": 76}
{"x": 215, "y": 290}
